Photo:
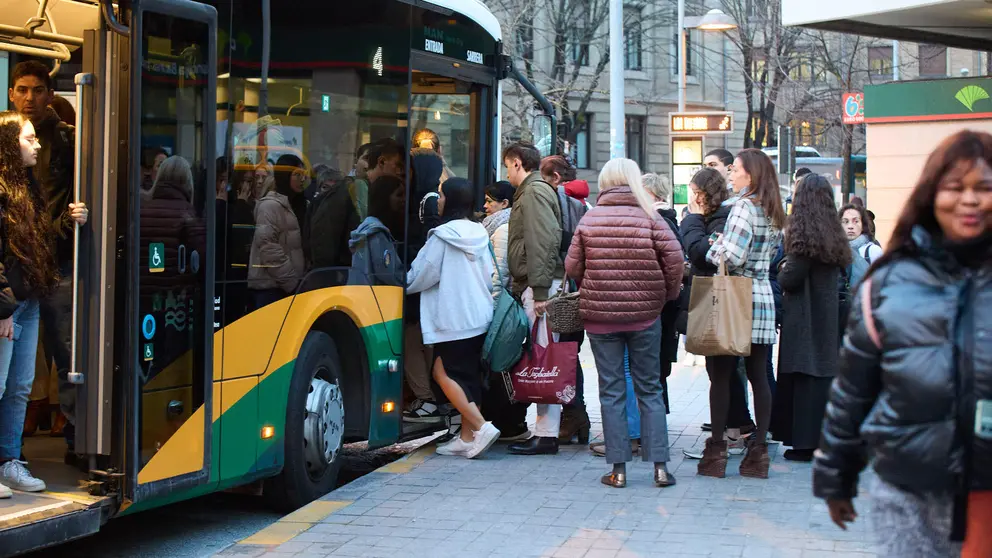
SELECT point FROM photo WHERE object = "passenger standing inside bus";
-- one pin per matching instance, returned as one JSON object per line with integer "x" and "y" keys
{"x": 31, "y": 94}
{"x": 428, "y": 139}
{"x": 386, "y": 157}
{"x": 373, "y": 242}
{"x": 169, "y": 217}
{"x": 276, "y": 263}
{"x": 27, "y": 274}
{"x": 536, "y": 266}
{"x": 426, "y": 168}
{"x": 453, "y": 273}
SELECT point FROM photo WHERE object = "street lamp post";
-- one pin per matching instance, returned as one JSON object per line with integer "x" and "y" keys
{"x": 618, "y": 138}
{"x": 714, "y": 20}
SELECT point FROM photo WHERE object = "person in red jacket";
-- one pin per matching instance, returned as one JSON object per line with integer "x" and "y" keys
{"x": 628, "y": 264}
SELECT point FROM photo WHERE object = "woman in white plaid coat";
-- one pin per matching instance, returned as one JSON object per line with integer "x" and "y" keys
{"x": 747, "y": 245}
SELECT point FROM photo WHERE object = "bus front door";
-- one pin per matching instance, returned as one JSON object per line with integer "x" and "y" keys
{"x": 170, "y": 305}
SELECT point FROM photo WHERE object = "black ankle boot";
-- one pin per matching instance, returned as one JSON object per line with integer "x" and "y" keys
{"x": 536, "y": 446}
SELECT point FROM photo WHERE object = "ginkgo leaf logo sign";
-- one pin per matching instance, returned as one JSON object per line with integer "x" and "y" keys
{"x": 971, "y": 94}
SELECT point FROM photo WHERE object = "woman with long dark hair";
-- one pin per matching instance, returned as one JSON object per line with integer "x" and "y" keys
{"x": 453, "y": 272}
{"x": 816, "y": 252}
{"x": 915, "y": 381}
{"x": 710, "y": 204}
{"x": 28, "y": 273}
{"x": 746, "y": 246}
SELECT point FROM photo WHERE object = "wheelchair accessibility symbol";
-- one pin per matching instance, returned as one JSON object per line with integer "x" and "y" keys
{"x": 156, "y": 257}
{"x": 148, "y": 327}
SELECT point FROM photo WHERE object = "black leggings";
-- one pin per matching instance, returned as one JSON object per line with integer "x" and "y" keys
{"x": 721, "y": 369}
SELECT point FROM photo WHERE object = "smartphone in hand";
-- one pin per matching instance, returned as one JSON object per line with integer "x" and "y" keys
{"x": 17, "y": 331}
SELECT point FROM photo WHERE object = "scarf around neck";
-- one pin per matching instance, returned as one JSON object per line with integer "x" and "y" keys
{"x": 859, "y": 243}
{"x": 496, "y": 220}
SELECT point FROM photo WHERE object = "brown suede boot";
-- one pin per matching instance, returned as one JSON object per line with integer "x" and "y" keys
{"x": 755, "y": 463}
{"x": 714, "y": 461}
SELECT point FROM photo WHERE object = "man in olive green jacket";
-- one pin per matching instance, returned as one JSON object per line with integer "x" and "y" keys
{"x": 533, "y": 250}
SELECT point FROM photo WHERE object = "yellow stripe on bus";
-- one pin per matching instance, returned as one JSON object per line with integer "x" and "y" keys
{"x": 182, "y": 454}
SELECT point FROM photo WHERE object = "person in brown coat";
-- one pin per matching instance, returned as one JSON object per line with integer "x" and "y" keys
{"x": 277, "y": 262}
{"x": 628, "y": 264}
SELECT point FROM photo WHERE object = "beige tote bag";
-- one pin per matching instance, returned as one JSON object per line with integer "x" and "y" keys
{"x": 720, "y": 315}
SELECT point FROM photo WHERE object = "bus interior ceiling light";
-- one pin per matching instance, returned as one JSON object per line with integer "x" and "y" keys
{"x": 268, "y": 432}
{"x": 716, "y": 20}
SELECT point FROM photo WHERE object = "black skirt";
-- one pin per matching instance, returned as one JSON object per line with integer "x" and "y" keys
{"x": 462, "y": 363}
{"x": 798, "y": 409}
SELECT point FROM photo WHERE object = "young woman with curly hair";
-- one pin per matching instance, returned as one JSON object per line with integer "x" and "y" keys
{"x": 816, "y": 255}
{"x": 27, "y": 273}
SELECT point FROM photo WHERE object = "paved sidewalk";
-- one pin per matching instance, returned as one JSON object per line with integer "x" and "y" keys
{"x": 504, "y": 505}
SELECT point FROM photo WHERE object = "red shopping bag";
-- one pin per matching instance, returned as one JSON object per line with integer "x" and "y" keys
{"x": 546, "y": 374}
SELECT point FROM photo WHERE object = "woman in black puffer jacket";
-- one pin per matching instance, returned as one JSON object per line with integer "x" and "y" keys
{"x": 916, "y": 365}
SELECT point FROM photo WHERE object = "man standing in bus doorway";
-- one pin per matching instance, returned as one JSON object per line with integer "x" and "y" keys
{"x": 533, "y": 250}
{"x": 31, "y": 94}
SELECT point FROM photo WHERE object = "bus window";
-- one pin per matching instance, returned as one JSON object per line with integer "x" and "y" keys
{"x": 326, "y": 99}
{"x": 172, "y": 228}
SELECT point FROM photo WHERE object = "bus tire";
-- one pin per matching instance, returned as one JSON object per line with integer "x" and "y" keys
{"x": 314, "y": 427}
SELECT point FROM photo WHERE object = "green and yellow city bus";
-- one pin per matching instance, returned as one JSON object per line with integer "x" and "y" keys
{"x": 186, "y": 383}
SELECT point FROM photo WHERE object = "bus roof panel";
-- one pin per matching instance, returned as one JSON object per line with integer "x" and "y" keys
{"x": 474, "y": 10}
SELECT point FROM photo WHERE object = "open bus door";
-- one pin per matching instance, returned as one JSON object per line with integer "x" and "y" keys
{"x": 167, "y": 329}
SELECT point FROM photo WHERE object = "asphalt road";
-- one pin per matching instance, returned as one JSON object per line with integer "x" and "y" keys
{"x": 206, "y": 525}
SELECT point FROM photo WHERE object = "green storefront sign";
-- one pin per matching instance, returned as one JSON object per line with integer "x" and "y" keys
{"x": 921, "y": 101}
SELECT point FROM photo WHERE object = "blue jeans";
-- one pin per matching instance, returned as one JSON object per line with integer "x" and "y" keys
{"x": 645, "y": 363}
{"x": 17, "y": 361}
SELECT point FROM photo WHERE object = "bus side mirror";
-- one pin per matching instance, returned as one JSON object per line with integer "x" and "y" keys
{"x": 544, "y": 138}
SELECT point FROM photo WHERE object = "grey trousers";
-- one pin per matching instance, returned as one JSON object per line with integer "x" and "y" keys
{"x": 645, "y": 362}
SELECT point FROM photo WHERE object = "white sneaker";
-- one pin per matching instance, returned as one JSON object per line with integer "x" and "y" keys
{"x": 485, "y": 437}
{"x": 5, "y": 492}
{"x": 15, "y": 475}
{"x": 456, "y": 446}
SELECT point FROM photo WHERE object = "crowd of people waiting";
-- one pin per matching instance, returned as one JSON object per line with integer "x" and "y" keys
{"x": 901, "y": 385}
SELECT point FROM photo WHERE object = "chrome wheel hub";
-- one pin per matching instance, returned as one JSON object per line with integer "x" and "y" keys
{"x": 323, "y": 427}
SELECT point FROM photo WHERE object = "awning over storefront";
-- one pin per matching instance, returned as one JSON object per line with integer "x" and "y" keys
{"x": 956, "y": 23}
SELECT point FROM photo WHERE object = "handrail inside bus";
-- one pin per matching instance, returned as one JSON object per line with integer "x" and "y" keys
{"x": 107, "y": 9}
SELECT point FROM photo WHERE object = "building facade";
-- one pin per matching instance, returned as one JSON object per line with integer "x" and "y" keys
{"x": 566, "y": 56}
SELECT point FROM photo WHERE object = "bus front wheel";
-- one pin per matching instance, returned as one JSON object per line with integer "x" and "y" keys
{"x": 314, "y": 426}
